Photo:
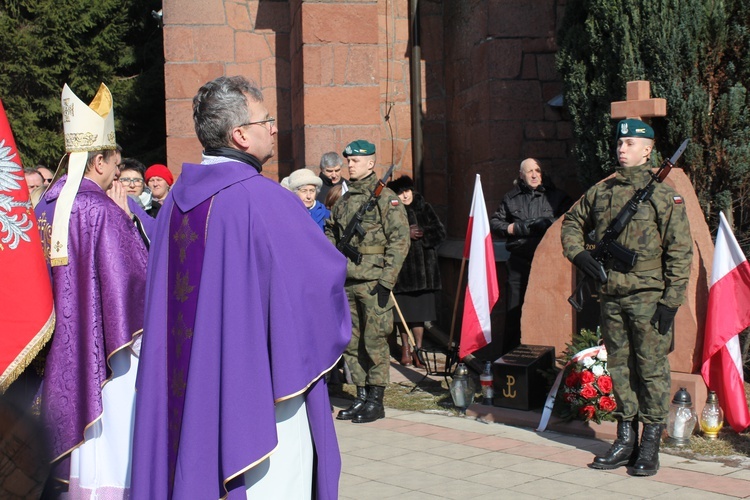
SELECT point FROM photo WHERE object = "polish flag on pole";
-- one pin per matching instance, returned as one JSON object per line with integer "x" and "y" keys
{"x": 727, "y": 315}
{"x": 481, "y": 291}
{"x": 27, "y": 317}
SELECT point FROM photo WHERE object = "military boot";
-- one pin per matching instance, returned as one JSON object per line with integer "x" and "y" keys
{"x": 373, "y": 409}
{"x": 359, "y": 402}
{"x": 623, "y": 451}
{"x": 648, "y": 457}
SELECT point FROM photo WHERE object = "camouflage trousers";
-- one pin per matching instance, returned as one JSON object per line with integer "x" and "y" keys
{"x": 367, "y": 354}
{"x": 637, "y": 356}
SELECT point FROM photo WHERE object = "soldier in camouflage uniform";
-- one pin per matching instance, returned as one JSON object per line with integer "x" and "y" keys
{"x": 638, "y": 306}
{"x": 369, "y": 284}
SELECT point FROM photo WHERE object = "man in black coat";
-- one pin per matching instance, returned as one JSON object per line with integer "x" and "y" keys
{"x": 522, "y": 218}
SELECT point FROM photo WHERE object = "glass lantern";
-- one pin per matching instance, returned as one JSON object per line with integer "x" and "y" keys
{"x": 681, "y": 419}
{"x": 462, "y": 388}
{"x": 712, "y": 417}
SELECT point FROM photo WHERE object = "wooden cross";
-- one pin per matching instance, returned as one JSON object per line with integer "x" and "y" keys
{"x": 639, "y": 103}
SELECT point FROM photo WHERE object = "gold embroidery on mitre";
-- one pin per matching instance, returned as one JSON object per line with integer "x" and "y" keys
{"x": 81, "y": 141}
{"x": 68, "y": 110}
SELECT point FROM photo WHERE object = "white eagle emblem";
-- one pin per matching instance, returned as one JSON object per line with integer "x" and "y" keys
{"x": 13, "y": 228}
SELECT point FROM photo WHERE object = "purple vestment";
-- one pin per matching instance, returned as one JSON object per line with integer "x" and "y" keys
{"x": 99, "y": 299}
{"x": 260, "y": 334}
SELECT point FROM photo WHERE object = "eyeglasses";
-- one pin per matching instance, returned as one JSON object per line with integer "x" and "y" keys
{"x": 270, "y": 120}
{"x": 47, "y": 180}
{"x": 131, "y": 180}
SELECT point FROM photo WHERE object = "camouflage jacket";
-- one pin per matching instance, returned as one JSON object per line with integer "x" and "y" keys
{"x": 659, "y": 232}
{"x": 386, "y": 242}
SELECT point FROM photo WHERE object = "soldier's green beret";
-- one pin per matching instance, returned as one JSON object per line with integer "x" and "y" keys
{"x": 359, "y": 148}
{"x": 634, "y": 128}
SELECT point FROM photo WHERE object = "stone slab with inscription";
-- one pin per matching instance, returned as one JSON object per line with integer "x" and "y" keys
{"x": 519, "y": 379}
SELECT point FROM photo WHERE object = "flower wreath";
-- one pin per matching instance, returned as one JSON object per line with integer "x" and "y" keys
{"x": 586, "y": 393}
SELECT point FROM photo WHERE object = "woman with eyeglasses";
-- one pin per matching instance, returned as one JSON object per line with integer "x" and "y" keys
{"x": 131, "y": 178}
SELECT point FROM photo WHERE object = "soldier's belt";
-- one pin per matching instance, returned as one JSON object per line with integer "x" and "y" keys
{"x": 371, "y": 250}
{"x": 645, "y": 265}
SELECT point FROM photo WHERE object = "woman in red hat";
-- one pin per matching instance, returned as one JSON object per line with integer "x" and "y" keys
{"x": 159, "y": 180}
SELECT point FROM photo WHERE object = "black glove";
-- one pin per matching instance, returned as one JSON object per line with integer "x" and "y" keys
{"x": 521, "y": 228}
{"x": 588, "y": 264}
{"x": 665, "y": 317}
{"x": 383, "y": 294}
{"x": 539, "y": 225}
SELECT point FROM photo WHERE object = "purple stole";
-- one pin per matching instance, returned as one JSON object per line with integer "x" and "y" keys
{"x": 187, "y": 246}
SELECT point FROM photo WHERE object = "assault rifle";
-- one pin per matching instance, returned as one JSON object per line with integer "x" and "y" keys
{"x": 608, "y": 249}
{"x": 355, "y": 224}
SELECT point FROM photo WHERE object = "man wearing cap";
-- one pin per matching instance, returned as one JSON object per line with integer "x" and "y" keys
{"x": 638, "y": 306}
{"x": 368, "y": 285}
{"x": 231, "y": 401}
{"x": 305, "y": 184}
{"x": 98, "y": 274}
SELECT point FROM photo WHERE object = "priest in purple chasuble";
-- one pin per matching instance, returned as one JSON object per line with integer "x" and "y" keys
{"x": 246, "y": 311}
{"x": 98, "y": 268}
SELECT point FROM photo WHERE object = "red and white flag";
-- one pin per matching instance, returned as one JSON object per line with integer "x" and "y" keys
{"x": 26, "y": 312}
{"x": 481, "y": 291}
{"x": 727, "y": 315}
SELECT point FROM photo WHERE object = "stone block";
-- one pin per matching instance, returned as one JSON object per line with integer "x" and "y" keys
{"x": 332, "y": 105}
{"x": 251, "y": 71}
{"x": 179, "y": 114}
{"x": 275, "y": 72}
{"x": 178, "y": 44}
{"x": 182, "y": 81}
{"x": 318, "y": 140}
{"x": 194, "y": 12}
{"x": 539, "y": 130}
{"x": 511, "y": 18}
{"x": 504, "y": 58}
{"x": 182, "y": 150}
{"x": 544, "y": 149}
{"x": 251, "y": 47}
{"x": 340, "y": 60}
{"x": 529, "y": 69}
{"x": 361, "y": 65}
{"x": 507, "y": 137}
{"x": 213, "y": 43}
{"x": 546, "y": 67}
{"x": 335, "y": 23}
{"x": 516, "y": 100}
{"x": 238, "y": 16}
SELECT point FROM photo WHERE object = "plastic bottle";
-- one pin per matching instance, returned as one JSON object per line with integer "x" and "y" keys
{"x": 485, "y": 380}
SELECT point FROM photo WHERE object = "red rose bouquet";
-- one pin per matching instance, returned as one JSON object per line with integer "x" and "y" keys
{"x": 586, "y": 393}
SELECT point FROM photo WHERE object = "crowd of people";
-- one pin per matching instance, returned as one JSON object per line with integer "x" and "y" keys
{"x": 228, "y": 334}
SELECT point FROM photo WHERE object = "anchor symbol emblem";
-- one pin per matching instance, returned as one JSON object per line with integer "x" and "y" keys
{"x": 509, "y": 392}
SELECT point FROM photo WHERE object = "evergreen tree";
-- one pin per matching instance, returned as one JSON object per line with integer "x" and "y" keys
{"x": 695, "y": 53}
{"x": 47, "y": 43}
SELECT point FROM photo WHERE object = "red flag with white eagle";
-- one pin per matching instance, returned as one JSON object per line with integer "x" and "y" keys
{"x": 481, "y": 291}
{"x": 727, "y": 315}
{"x": 27, "y": 315}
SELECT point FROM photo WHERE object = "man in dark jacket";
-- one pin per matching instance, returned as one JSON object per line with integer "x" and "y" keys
{"x": 522, "y": 218}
